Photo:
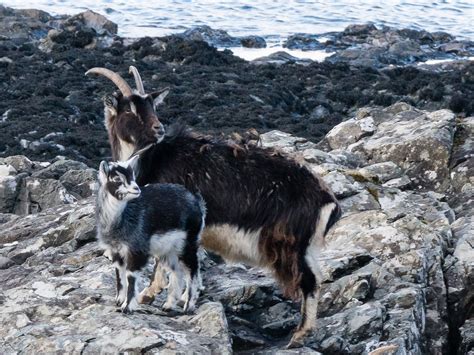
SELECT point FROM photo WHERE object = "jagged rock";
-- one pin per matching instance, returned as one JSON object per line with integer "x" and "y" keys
{"x": 467, "y": 337}
{"x": 350, "y": 132}
{"x": 20, "y": 163}
{"x": 82, "y": 183}
{"x": 59, "y": 168}
{"x": 282, "y": 140}
{"x": 91, "y": 19}
{"x": 7, "y": 170}
{"x": 342, "y": 185}
{"x": 399, "y": 183}
{"x": 218, "y": 38}
{"x": 280, "y": 58}
{"x": 382, "y": 172}
{"x": 418, "y": 142}
{"x": 459, "y": 273}
{"x": 253, "y": 42}
{"x": 37, "y": 194}
{"x": 9, "y": 190}
{"x": 304, "y": 41}
{"x": 363, "y": 201}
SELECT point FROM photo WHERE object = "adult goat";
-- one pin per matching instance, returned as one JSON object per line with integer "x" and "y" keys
{"x": 262, "y": 208}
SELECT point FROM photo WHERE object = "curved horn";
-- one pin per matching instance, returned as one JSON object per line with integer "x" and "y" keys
{"x": 114, "y": 77}
{"x": 138, "y": 79}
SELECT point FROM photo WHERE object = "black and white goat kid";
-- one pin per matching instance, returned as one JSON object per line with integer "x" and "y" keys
{"x": 160, "y": 220}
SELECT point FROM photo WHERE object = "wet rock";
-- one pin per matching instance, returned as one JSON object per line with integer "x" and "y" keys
{"x": 220, "y": 38}
{"x": 280, "y": 58}
{"x": 367, "y": 45}
{"x": 217, "y": 38}
{"x": 93, "y": 20}
{"x": 359, "y": 29}
{"x": 304, "y": 41}
{"x": 24, "y": 25}
{"x": 253, "y": 42}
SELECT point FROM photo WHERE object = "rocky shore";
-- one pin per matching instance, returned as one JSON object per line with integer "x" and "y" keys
{"x": 398, "y": 268}
{"x": 395, "y": 143}
{"x": 50, "y": 108}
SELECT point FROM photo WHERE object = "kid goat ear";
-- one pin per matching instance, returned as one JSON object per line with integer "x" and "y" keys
{"x": 104, "y": 168}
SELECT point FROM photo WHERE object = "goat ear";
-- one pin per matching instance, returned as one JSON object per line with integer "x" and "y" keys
{"x": 159, "y": 96}
{"x": 133, "y": 162}
{"x": 103, "y": 171}
{"x": 111, "y": 104}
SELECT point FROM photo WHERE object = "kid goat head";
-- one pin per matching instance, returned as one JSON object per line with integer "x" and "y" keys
{"x": 118, "y": 180}
{"x": 130, "y": 116}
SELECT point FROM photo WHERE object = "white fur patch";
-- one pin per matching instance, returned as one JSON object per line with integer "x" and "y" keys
{"x": 126, "y": 150}
{"x": 233, "y": 244}
{"x": 169, "y": 243}
{"x": 316, "y": 243}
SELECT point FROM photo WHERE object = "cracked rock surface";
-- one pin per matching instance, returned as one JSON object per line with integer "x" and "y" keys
{"x": 397, "y": 268}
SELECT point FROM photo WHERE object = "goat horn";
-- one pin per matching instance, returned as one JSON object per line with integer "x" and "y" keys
{"x": 114, "y": 77}
{"x": 138, "y": 79}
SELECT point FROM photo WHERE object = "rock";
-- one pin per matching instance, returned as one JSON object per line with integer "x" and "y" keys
{"x": 5, "y": 262}
{"x": 37, "y": 194}
{"x": 304, "y": 41}
{"x": 81, "y": 183}
{"x": 59, "y": 168}
{"x": 350, "y": 132}
{"x": 382, "y": 172}
{"x": 281, "y": 141}
{"x": 459, "y": 271}
{"x": 253, "y": 42}
{"x": 399, "y": 183}
{"x": 467, "y": 337}
{"x": 342, "y": 185}
{"x": 363, "y": 201}
{"x": 420, "y": 143}
{"x": 7, "y": 170}
{"x": 9, "y": 190}
{"x": 279, "y": 58}
{"x": 220, "y": 38}
{"x": 91, "y": 19}
{"x": 217, "y": 38}
{"x": 20, "y": 163}
{"x": 357, "y": 30}
{"x": 367, "y": 45}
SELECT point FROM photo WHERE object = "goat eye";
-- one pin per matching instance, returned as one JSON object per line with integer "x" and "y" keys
{"x": 116, "y": 179}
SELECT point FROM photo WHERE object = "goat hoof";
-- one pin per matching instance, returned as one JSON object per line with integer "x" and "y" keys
{"x": 126, "y": 310}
